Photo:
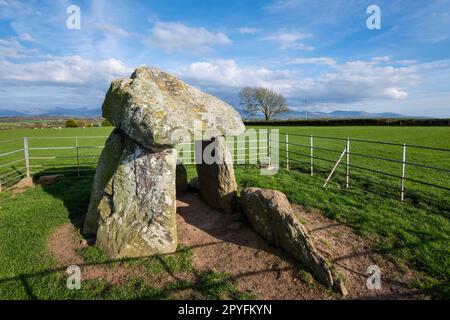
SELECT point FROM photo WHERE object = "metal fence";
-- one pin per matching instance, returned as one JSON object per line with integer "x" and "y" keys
{"x": 32, "y": 158}
{"x": 346, "y": 153}
{"x": 296, "y": 151}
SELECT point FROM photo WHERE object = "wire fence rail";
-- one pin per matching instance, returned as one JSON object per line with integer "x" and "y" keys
{"x": 26, "y": 160}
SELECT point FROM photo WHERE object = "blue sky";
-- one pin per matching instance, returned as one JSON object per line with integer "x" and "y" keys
{"x": 321, "y": 51}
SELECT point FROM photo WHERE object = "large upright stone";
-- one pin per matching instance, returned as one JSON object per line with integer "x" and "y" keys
{"x": 216, "y": 179}
{"x": 151, "y": 105}
{"x": 133, "y": 204}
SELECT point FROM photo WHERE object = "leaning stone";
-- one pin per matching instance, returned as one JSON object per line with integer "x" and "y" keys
{"x": 133, "y": 204}
{"x": 181, "y": 179}
{"x": 217, "y": 182}
{"x": 151, "y": 105}
{"x": 272, "y": 217}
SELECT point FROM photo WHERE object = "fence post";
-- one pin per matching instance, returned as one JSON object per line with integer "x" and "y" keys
{"x": 27, "y": 156}
{"x": 347, "y": 171}
{"x": 268, "y": 148}
{"x": 312, "y": 154}
{"x": 78, "y": 156}
{"x": 287, "y": 151}
{"x": 402, "y": 191}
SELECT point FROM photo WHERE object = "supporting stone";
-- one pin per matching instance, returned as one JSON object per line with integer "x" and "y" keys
{"x": 217, "y": 182}
{"x": 133, "y": 204}
{"x": 181, "y": 179}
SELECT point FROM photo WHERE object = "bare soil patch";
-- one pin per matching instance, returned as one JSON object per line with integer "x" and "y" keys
{"x": 22, "y": 186}
{"x": 226, "y": 243}
{"x": 64, "y": 243}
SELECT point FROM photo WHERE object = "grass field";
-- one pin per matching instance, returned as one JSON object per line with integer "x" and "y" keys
{"x": 415, "y": 233}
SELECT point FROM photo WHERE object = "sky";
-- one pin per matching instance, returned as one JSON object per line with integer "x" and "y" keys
{"x": 318, "y": 51}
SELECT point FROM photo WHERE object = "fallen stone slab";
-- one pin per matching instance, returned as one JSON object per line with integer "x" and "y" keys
{"x": 272, "y": 217}
{"x": 151, "y": 105}
{"x": 133, "y": 205}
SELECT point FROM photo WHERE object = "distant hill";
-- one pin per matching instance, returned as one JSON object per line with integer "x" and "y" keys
{"x": 337, "y": 114}
{"x": 96, "y": 112}
{"x": 80, "y": 112}
{"x": 56, "y": 112}
{"x": 11, "y": 113}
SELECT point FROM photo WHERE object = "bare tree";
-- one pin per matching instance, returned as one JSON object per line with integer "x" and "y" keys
{"x": 263, "y": 100}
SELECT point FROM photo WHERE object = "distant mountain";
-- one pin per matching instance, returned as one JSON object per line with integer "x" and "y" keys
{"x": 79, "y": 112}
{"x": 11, "y": 113}
{"x": 96, "y": 112}
{"x": 56, "y": 112}
{"x": 337, "y": 114}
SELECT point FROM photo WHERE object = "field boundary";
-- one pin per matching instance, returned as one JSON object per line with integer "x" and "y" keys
{"x": 352, "y": 122}
{"x": 26, "y": 165}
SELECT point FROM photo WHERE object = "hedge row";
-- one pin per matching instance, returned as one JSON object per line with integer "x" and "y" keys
{"x": 352, "y": 122}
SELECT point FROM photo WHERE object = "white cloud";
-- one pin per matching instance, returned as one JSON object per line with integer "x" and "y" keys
{"x": 223, "y": 74}
{"x": 112, "y": 29}
{"x": 26, "y": 37}
{"x": 315, "y": 60}
{"x": 290, "y": 39}
{"x": 248, "y": 30}
{"x": 65, "y": 71}
{"x": 11, "y": 49}
{"x": 281, "y": 5}
{"x": 348, "y": 82}
{"x": 175, "y": 36}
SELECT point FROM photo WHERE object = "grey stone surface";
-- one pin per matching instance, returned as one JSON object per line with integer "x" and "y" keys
{"x": 133, "y": 204}
{"x": 272, "y": 217}
{"x": 152, "y": 105}
{"x": 217, "y": 182}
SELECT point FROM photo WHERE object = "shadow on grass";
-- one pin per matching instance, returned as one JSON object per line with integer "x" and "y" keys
{"x": 383, "y": 187}
{"x": 74, "y": 191}
{"x": 201, "y": 283}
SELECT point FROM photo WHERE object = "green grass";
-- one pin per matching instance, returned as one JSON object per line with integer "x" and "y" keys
{"x": 180, "y": 261}
{"x": 415, "y": 233}
{"x": 217, "y": 285}
{"x": 40, "y": 161}
{"x": 28, "y": 271}
{"x": 92, "y": 255}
